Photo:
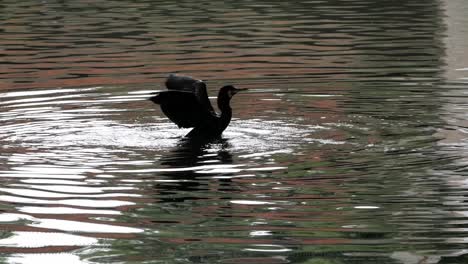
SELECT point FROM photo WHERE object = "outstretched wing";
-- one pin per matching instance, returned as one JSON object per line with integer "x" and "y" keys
{"x": 181, "y": 83}
{"x": 183, "y": 108}
{"x": 202, "y": 96}
{"x": 186, "y": 83}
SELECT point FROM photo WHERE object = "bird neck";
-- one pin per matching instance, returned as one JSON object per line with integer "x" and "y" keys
{"x": 226, "y": 112}
{"x": 223, "y": 104}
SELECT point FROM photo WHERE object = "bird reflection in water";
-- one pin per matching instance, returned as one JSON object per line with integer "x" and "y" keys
{"x": 181, "y": 177}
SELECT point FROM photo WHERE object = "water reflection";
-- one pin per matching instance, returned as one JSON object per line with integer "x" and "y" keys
{"x": 351, "y": 150}
{"x": 190, "y": 153}
{"x": 44, "y": 258}
{"x": 269, "y": 43}
{"x": 79, "y": 178}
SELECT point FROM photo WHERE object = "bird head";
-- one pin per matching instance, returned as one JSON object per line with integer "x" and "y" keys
{"x": 229, "y": 91}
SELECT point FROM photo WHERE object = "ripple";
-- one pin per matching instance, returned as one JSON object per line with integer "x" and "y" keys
{"x": 45, "y": 194}
{"x": 44, "y": 92}
{"x": 45, "y": 126}
{"x": 69, "y": 225}
{"x": 44, "y": 239}
{"x": 248, "y": 202}
{"x": 55, "y": 182}
{"x": 268, "y": 248}
{"x": 366, "y": 207}
{"x": 73, "y": 202}
{"x": 65, "y": 210}
{"x": 45, "y": 258}
{"x": 77, "y": 226}
{"x": 349, "y": 145}
{"x": 73, "y": 189}
{"x": 160, "y": 136}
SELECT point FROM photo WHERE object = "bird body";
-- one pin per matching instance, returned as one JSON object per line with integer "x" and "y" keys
{"x": 186, "y": 103}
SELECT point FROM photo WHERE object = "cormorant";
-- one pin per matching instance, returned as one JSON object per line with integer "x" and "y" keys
{"x": 186, "y": 104}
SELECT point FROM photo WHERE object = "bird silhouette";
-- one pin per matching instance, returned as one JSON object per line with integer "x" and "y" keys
{"x": 186, "y": 103}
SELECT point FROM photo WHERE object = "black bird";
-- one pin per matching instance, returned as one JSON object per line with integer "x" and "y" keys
{"x": 186, "y": 104}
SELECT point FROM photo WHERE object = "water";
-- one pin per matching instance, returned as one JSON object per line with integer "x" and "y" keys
{"x": 349, "y": 147}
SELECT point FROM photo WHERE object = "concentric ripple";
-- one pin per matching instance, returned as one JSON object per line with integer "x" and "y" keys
{"x": 349, "y": 146}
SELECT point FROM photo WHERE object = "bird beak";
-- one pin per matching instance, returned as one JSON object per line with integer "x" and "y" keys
{"x": 239, "y": 90}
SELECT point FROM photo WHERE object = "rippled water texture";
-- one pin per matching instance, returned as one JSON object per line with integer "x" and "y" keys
{"x": 349, "y": 147}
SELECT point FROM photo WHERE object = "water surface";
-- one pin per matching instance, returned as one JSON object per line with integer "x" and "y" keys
{"x": 349, "y": 147}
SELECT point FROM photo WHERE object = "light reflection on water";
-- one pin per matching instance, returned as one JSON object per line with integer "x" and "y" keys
{"x": 77, "y": 172}
{"x": 350, "y": 146}
{"x": 99, "y": 179}
{"x": 68, "y": 127}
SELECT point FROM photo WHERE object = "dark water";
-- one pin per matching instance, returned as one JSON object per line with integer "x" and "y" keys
{"x": 350, "y": 146}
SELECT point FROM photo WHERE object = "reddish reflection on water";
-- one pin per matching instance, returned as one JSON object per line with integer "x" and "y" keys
{"x": 345, "y": 149}
{"x": 52, "y": 44}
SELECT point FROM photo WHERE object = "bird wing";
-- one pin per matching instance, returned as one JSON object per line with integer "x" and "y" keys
{"x": 180, "y": 83}
{"x": 183, "y": 108}
{"x": 185, "y": 83}
{"x": 202, "y": 96}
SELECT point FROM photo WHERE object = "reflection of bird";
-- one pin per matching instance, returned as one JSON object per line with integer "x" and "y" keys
{"x": 191, "y": 153}
{"x": 186, "y": 104}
